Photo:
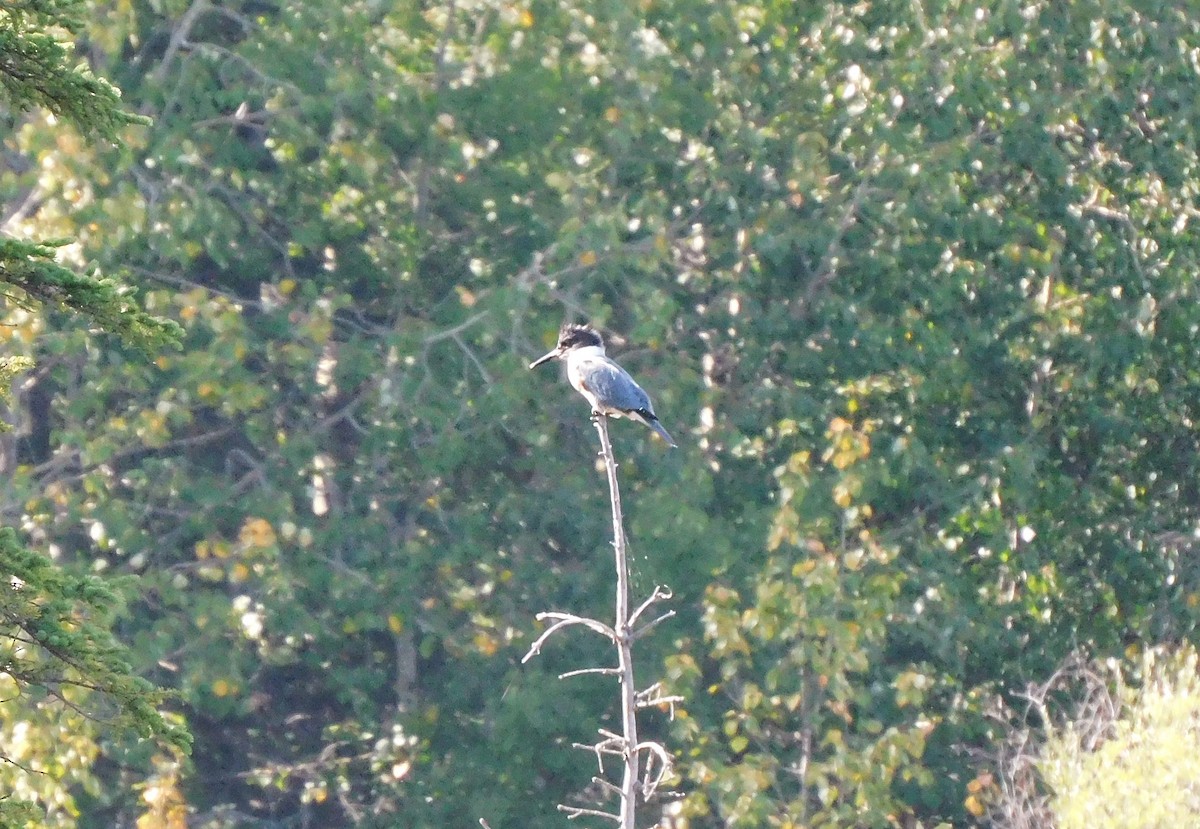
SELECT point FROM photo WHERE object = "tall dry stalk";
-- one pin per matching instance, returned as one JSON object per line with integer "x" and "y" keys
{"x": 636, "y": 778}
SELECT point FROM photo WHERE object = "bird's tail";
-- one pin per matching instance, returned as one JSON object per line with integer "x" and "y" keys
{"x": 653, "y": 423}
{"x": 646, "y": 417}
{"x": 663, "y": 433}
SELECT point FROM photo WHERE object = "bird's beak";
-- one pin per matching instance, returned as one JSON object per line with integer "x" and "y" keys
{"x": 545, "y": 358}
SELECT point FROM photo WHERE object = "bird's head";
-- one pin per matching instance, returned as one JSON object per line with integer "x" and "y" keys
{"x": 571, "y": 336}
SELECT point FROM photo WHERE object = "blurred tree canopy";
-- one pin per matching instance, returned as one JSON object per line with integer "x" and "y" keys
{"x": 913, "y": 283}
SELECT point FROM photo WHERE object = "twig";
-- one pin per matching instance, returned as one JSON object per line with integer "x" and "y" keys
{"x": 565, "y": 619}
{"x": 614, "y": 746}
{"x": 608, "y": 787}
{"x": 483, "y": 372}
{"x": 661, "y": 593}
{"x": 4, "y": 758}
{"x": 1124, "y": 221}
{"x": 179, "y": 37}
{"x": 652, "y": 698}
{"x": 827, "y": 269}
{"x": 582, "y": 671}
{"x": 574, "y": 812}
{"x": 649, "y": 626}
{"x": 453, "y": 331}
{"x": 654, "y": 779}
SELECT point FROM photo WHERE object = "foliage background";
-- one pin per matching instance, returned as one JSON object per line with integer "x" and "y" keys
{"x": 913, "y": 284}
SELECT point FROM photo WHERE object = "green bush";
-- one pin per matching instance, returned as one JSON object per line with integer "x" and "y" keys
{"x": 1145, "y": 772}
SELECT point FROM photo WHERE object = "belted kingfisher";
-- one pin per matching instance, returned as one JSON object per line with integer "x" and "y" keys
{"x": 606, "y": 385}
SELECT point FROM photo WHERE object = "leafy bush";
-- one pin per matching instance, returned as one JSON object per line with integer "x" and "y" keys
{"x": 1145, "y": 771}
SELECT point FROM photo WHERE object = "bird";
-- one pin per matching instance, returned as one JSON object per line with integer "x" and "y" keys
{"x": 606, "y": 386}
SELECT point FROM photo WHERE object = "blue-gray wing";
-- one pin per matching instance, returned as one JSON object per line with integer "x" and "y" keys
{"x": 613, "y": 387}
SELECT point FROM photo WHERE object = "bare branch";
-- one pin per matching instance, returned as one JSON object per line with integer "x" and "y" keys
{"x": 612, "y": 744}
{"x": 625, "y": 745}
{"x": 565, "y": 619}
{"x": 582, "y": 671}
{"x": 4, "y": 758}
{"x": 661, "y": 593}
{"x": 179, "y": 37}
{"x": 455, "y": 333}
{"x": 1123, "y": 219}
{"x": 574, "y": 812}
{"x": 827, "y": 270}
{"x": 655, "y": 776}
{"x": 629, "y": 783}
{"x": 608, "y": 787}
{"x": 649, "y": 626}
{"x": 601, "y": 748}
{"x": 451, "y": 333}
{"x": 652, "y": 698}
{"x": 470, "y": 353}
{"x": 599, "y": 627}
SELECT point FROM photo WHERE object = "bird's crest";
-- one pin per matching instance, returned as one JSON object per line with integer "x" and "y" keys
{"x": 574, "y": 334}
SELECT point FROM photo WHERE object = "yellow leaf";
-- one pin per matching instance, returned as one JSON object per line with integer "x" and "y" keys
{"x": 167, "y": 808}
{"x": 465, "y": 296}
{"x": 842, "y": 496}
{"x": 526, "y": 19}
{"x": 485, "y": 643}
{"x": 980, "y": 783}
{"x": 588, "y": 258}
{"x": 395, "y": 623}
{"x": 974, "y": 805}
{"x": 612, "y": 115}
{"x": 286, "y": 286}
{"x": 803, "y": 568}
{"x": 257, "y": 532}
{"x": 222, "y": 688}
{"x": 799, "y": 461}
